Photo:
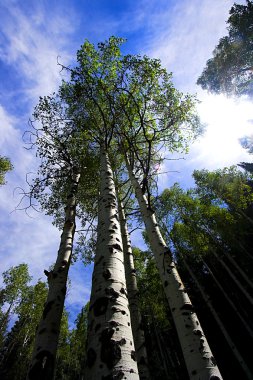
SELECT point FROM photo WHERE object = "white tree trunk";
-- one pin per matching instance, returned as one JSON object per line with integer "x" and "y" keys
{"x": 110, "y": 346}
{"x": 220, "y": 323}
{"x": 198, "y": 357}
{"x": 43, "y": 360}
{"x": 132, "y": 291}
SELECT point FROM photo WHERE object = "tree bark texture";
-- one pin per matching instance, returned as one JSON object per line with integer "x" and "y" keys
{"x": 43, "y": 359}
{"x": 110, "y": 347}
{"x": 198, "y": 357}
{"x": 132, "y": 291}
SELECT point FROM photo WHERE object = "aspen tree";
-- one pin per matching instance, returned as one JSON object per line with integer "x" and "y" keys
{"x": 198, "y": 357}
{"x": 132, "y": 291}
{"x": 110, "y": 346}
{"x": 91, "y": 94}
{"x": 132, "y": 99}
{"x": 43, "y": 359}
{"x": 56, "y": 189}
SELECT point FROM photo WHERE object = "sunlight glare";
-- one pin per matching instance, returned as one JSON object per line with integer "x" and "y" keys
{"x": 226, "y": 120}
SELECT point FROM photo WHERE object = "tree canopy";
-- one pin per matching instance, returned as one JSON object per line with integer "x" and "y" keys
{"x": 230, "y": 70}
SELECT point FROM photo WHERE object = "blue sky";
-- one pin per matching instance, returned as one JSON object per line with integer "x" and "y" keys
{"x": 33, "y": 34}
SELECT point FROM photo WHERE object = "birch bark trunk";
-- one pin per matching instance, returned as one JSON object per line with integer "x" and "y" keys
{"x": 43, "y": 359}
{"x": 219, "y": 323}
{"x": 110, "y": 346}
{"x": 198, "y": 357}
{"x": 132, "y": 291}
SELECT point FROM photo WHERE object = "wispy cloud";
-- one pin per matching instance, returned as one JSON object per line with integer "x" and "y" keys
{"x": 32, "y": 40}
{"x": 184, "y": 35}
{"x": 23, "y": 239}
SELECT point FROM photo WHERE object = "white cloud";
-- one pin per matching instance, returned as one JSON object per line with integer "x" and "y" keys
{"x": 227, "y": 120}
{"x": 12, "y": 146}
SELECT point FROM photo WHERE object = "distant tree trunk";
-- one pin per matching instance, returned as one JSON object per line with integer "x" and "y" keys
{"x": 219, "y": 322}
{"x": 110, "y": 346}
{"x": 231, "y": 259}
{"x": 240, "y": 270}
{"x": 233, "y": 277}
{"x": 198, "y": 357}
{"x": 43, "y": 359}
{"x": 229, "y": 300}
{"x": 132, "y": 291}
{"x": 164, "y": 361}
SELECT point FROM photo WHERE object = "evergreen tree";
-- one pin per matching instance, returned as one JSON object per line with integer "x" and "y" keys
{"x": 230, "y": 70}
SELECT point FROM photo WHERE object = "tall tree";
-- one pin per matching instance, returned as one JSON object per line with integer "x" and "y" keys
{"x": 135, "y": 96}
{"x": 230, "y": 71}
{"x": 56, "y": 188}
{"x": 128, "y": 99}
{"x": 133, "y": 297}
{"x": 43, "y": 361}
{"x": 110, "y": 349}
{"x": 199, "y": 362}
